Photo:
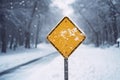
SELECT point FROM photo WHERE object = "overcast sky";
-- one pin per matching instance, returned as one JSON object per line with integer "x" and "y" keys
{"x": 64, "y": 5}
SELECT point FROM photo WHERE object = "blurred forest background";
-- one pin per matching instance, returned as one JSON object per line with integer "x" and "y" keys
{"x": 27, "y": 22}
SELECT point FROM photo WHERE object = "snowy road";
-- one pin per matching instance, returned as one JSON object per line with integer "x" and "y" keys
{"x": 15, "y": 73}
{"x": 86, "y": 63}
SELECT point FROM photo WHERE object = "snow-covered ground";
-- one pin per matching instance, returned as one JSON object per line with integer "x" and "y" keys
{"x": 86, "y": 63}
{"x": 14, "y": 58}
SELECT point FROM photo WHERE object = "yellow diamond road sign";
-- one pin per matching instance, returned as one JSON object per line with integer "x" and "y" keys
{"x": 66, "y": 37}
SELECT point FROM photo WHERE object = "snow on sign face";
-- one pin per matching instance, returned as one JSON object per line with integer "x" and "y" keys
{"x": 66, "y": 37}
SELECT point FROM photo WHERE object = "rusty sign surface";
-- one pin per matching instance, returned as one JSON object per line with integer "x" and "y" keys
{"x": 66, "y": 37}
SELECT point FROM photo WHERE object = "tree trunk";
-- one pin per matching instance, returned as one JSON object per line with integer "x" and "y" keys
{"x": 27, "y": 34}
{"x": 20, "y": 37}
{"x": 11, "y": 42}
{"x": 27, "y": 39}
{"x": 37, "y": 33}
{"x": 3, "y": 40}
{"x": 113, "y": 12}
{"x": 97, "y": 40}
{"x": 106, "y": 34}
{"x": 114, "y": 26}
{"x": 15, "y": 44}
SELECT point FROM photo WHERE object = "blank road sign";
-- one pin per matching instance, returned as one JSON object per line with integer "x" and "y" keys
{"x": 66, "y": 37}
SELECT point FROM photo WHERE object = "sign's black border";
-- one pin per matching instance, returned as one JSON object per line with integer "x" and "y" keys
{"x": 54, "y": 30}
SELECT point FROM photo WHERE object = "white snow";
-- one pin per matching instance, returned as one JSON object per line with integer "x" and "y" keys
{"x": 13, "y": 58}
{"x": 68, "y": 32}
{"x": 118, "y": 40}
{"x": 63, "y": 33}
{"x": 72, "y": 31}
{"x": 76, "y": 38}
{"x": 86, "y": 63}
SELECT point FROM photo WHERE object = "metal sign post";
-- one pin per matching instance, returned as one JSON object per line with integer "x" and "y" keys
{"x": 66, "y": 37}
{"x": 66, "y": 68}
